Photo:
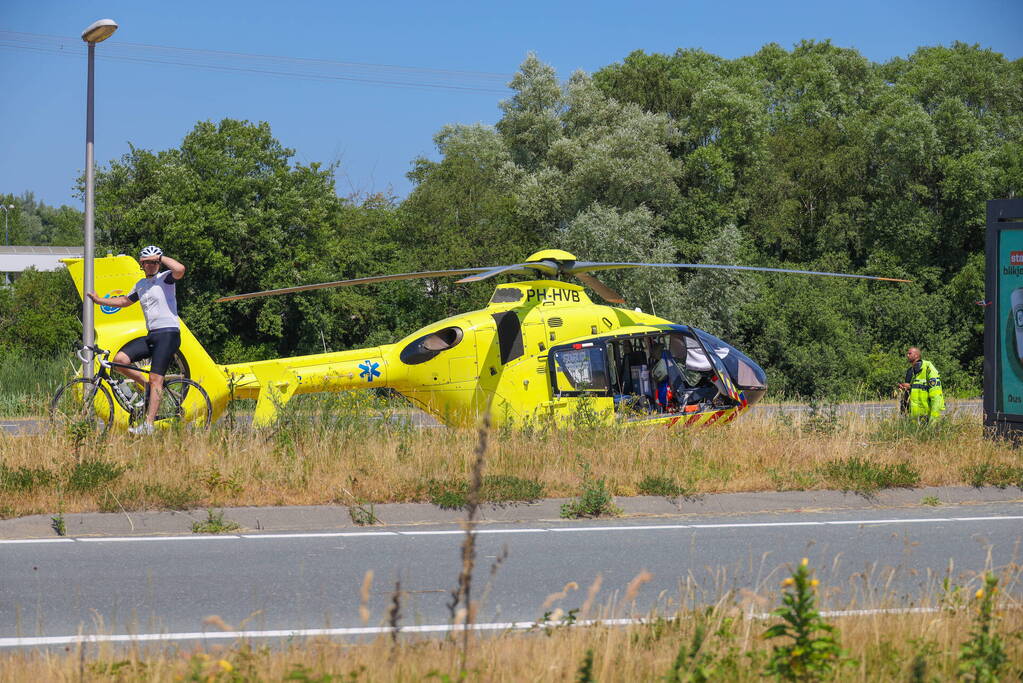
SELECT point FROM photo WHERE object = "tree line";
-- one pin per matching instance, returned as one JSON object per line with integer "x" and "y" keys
{"x": 812, "y": 158}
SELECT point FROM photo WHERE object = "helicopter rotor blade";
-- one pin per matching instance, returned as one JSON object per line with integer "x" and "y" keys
{"x": 605, "y": 292}
{"x": 348, "y": 283}
{"x": 544, "y": 267}
{"x": 591, "y": 266}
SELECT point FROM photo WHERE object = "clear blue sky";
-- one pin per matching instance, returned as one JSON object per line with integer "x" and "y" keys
{"x": 374, "y": 131}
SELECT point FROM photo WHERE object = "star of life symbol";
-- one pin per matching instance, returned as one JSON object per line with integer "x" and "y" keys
{"x": 369, "y": 370}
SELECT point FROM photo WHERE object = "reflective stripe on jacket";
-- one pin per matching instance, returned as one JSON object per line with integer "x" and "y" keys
{"x": 925, "y": 396}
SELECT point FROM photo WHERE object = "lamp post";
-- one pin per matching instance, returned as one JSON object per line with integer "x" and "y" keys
{"x": 97, "y": 32}
{"x": 7, "y": 235}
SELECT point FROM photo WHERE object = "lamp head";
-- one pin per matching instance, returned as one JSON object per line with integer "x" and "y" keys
{"x": 99, "y": 31}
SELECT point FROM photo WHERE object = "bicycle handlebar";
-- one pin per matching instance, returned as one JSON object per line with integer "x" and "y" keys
{"x": 96, "y": 351}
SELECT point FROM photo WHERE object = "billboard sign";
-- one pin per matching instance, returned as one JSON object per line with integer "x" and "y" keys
{"x": 1003, "y": 321}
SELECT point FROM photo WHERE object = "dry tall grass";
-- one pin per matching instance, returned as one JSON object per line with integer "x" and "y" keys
{"x": 342, "y": 458}
{"x": 881, "y": 647}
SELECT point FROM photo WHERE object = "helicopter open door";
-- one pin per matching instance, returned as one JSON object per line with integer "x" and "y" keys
{"x": 706, "y": 354}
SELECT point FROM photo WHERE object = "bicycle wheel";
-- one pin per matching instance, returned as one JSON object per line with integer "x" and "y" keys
{"x": 82, "y": 404}
{"x": 184, "y": 401}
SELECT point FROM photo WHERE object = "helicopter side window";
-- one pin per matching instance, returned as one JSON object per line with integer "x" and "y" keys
{"x": 580, "y": 368}
{"x": 428, "y": 346}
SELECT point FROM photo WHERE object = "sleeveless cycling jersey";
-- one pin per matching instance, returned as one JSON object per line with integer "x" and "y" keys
{"x": 159, "y": 302}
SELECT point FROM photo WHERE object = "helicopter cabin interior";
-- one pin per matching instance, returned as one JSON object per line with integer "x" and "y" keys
{"x": 645, "y": 373}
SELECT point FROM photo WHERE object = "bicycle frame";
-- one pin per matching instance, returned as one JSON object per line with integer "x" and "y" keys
{"x": 132, "y": 409}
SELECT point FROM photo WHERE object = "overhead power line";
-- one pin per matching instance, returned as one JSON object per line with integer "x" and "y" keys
{"x": 287, "y": 67}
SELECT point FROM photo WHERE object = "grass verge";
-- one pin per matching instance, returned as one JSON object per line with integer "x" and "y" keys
{"x": 348, "y": 456}
{"x": 962, "y": 631}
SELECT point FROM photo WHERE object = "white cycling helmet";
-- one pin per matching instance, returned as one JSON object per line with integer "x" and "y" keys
{"x": 151, "y": 251}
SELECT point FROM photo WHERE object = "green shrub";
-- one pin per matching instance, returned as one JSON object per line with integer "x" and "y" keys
{"x": 171, "y": 497}
{"x": 864, "y": 477}
{"x": 214, "y": 524}
{"x": 594, "y": 501}
{"x": 983, "y": 656}
{"x": 452, "y": 494}
{"x": 901, "y": 428}
{"x": 90, "y": 474}
{"x": 664, "y": 486}
{"x": 811, "y": 650}
{"x": 24, "y": 479}
{"x": 991, "y": 474}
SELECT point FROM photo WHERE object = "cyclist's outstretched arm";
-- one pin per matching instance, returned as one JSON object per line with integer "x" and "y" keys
{"x": 115, "y": 301}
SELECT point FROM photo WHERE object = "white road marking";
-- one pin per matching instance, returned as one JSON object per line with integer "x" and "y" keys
{"x": 126, "y": 539}
{"x": 36, "y": 641}
{"x": 322, "y": 534}
{"x": 528, "y": 530}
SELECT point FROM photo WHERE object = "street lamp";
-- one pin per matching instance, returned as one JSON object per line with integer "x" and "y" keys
{"x": 7, "y": 235}
{"x": 97, "y": 32}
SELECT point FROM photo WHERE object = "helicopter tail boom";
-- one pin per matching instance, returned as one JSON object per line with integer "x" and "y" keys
{"x": 274, "y": 382}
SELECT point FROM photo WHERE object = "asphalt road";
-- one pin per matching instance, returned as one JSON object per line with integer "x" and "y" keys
{"x": 269, "y": 584}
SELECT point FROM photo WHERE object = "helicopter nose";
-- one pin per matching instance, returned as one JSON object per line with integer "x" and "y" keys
{"x": 751, "y": 379}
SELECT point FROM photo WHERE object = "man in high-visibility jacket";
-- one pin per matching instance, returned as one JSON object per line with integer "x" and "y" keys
{"x": 924, "y": 386}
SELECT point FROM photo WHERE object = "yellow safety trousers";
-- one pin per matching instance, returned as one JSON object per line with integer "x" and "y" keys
{"x": 925, "y": 396}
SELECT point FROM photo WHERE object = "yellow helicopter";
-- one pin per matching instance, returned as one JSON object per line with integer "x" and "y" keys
{"x": 541, "y": 349}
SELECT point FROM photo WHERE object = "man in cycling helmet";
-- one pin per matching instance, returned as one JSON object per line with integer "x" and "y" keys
{"x": 156, "y": 293}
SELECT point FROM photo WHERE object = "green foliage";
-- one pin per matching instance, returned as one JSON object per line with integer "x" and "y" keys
{"x": 33, "y": 223}
{"x": 938, "y": 431}
{"x": 453, "y": 494}
{"x": 811, "y": 650}
{"x": 692, "y": 664}
{"x": 29, "y": 381}
{"x": 231, "y": 206}
{"x": 90, "y": 474}
{"x": 363, "y": 514}
{"x": 865, "y": 478}
{"x": 606, "y": 234}
{"x": 24, "y": 479}
{"x": 983, "y": 656}
{"x": 58, "y": 524}
{"x": 171, "y": 497}
{"x": 585, "y": 673}
{"x": 39, "y": 316}
{"x": 214, "y": 524}
{"x": 664, "y": 486}
{"x": 993, "y": 474}
{"x": 594, "y": 501}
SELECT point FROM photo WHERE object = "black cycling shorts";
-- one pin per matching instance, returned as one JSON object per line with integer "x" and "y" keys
{"x": 159, "y": 346}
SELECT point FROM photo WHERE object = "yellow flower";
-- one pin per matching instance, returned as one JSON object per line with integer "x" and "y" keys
{"x": 788, "y": 582}
{"x": 226, "y": 666}
{"x": 980, "y": 593}
{"x": 814, "y": 583}
{"x": 806, "y": 561}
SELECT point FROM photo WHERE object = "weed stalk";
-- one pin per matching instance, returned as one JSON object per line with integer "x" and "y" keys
{"x": 462, "y": 595}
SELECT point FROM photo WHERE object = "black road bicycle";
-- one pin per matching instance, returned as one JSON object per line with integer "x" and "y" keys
{"x": 90, "y": 402}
